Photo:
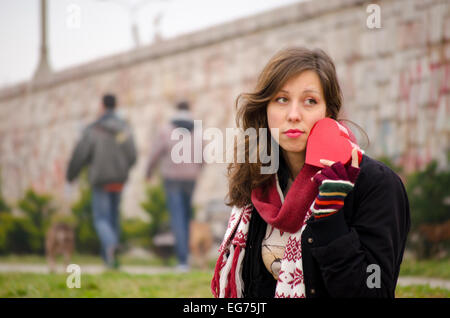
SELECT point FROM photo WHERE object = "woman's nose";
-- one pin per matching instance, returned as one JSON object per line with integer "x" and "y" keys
{"x": 294, "y": 114}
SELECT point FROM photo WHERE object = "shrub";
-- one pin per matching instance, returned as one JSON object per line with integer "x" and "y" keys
{"x": 155, "y": 206}
{"x": 68, "y": 219}
{"x": 429, "y": 203}
{"x": 86, "y": 240}
{"x": 25, "y": 234}
{"x": 19, "y": 235}
{"x": 135, "y": 232}
{"x": 38, "y": 210}
{"x": 4, "y": 207}
{"x": 428, "y": 195}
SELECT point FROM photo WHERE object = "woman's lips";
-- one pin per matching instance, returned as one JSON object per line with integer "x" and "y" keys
{"x": 293, "y": 133}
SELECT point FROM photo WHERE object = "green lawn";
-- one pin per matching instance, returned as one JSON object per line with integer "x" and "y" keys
{"x": 173, "y": 285}
{"x": 421, "y": 291}
{"x": 426, "y": 268}
{"x": 116, "y": 284}
{"x": 409, "y": 267}
{"x": 111, "y": 284}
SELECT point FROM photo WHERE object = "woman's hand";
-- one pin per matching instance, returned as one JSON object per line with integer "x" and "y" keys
{"x": 335, "y": 181}
{"x": 355, "y": 164}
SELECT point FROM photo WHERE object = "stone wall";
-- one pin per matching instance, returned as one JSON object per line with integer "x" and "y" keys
{"x": 395, "y": 80}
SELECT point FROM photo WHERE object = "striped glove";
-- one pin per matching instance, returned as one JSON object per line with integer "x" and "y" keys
{"x": 334, "y": 182}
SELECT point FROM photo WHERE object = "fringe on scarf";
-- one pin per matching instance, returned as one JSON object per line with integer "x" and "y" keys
{"x": 227, "y": 280}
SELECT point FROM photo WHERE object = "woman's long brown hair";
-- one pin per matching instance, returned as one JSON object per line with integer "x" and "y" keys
{"x": 251, "y": 112}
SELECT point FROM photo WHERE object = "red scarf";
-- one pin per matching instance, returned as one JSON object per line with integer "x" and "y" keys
{"x": 288, "y": 216}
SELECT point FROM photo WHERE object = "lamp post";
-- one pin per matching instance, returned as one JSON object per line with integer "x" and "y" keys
{"x": 43, "y": 70}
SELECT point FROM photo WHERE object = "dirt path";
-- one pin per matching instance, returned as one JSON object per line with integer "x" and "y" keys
{"x": 432, "y": 282}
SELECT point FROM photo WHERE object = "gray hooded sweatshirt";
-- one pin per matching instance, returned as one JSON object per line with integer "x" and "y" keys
{"x": 108, "y": 147}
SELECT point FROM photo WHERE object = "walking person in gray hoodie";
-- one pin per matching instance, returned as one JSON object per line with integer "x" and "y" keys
{"x": 179, "y": 178}
{"x": 107, "y": 147}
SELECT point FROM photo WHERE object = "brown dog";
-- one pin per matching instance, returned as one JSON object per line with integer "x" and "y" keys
{"x": 60, "y": 240}
{"x": 200, "y": 242}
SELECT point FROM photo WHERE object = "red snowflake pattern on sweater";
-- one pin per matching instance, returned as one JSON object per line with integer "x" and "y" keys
{"x": 283, "y": 295}
{"x": 280, "y": 276}
{"x": 240, "y": 239}
{"x": 296, "y": 278}
{"x": 246, "y": 215}
{"x": 293, "y": 249}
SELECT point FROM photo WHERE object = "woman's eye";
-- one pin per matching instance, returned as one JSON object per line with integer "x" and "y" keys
{"x": 282, "y": 100}
{"x": 311, "y": 101}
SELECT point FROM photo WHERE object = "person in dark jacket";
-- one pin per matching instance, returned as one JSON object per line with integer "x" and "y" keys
{"x": 107, "y": 147}
{"x": 305, "y": 231}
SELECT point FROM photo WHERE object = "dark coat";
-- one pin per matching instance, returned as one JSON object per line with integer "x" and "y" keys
{"x": 108, "y": 147}
{"x": 338, "y": 251}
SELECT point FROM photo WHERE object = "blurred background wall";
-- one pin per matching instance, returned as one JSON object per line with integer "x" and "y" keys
{"x": 395, "y": 80}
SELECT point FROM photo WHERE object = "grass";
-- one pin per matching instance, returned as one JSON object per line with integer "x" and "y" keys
{"x": 171, "y": 285}
{"x": 116, "y": 284}
{"x": 111, "y": 284}
{"x": 426, "y": 268}
{"x": 421, "y": 291}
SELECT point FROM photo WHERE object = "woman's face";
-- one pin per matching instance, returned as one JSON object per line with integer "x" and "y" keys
{"x": 295, "y": 109}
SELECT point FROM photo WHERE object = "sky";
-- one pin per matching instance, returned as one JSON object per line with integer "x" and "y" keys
{"x": 83, "y": 30}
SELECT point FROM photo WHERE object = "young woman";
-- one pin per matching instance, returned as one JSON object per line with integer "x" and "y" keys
{"x": 339, "y": 231}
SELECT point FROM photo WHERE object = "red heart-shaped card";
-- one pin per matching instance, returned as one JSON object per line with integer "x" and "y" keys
{"x": 331, "y": 141}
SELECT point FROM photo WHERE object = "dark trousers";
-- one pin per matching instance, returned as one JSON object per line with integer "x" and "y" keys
{"x": 179, "y": 197}
{"x": 105, "y": 206}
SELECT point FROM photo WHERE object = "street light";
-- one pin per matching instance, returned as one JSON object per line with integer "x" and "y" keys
{"x": 43, "y": 70}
